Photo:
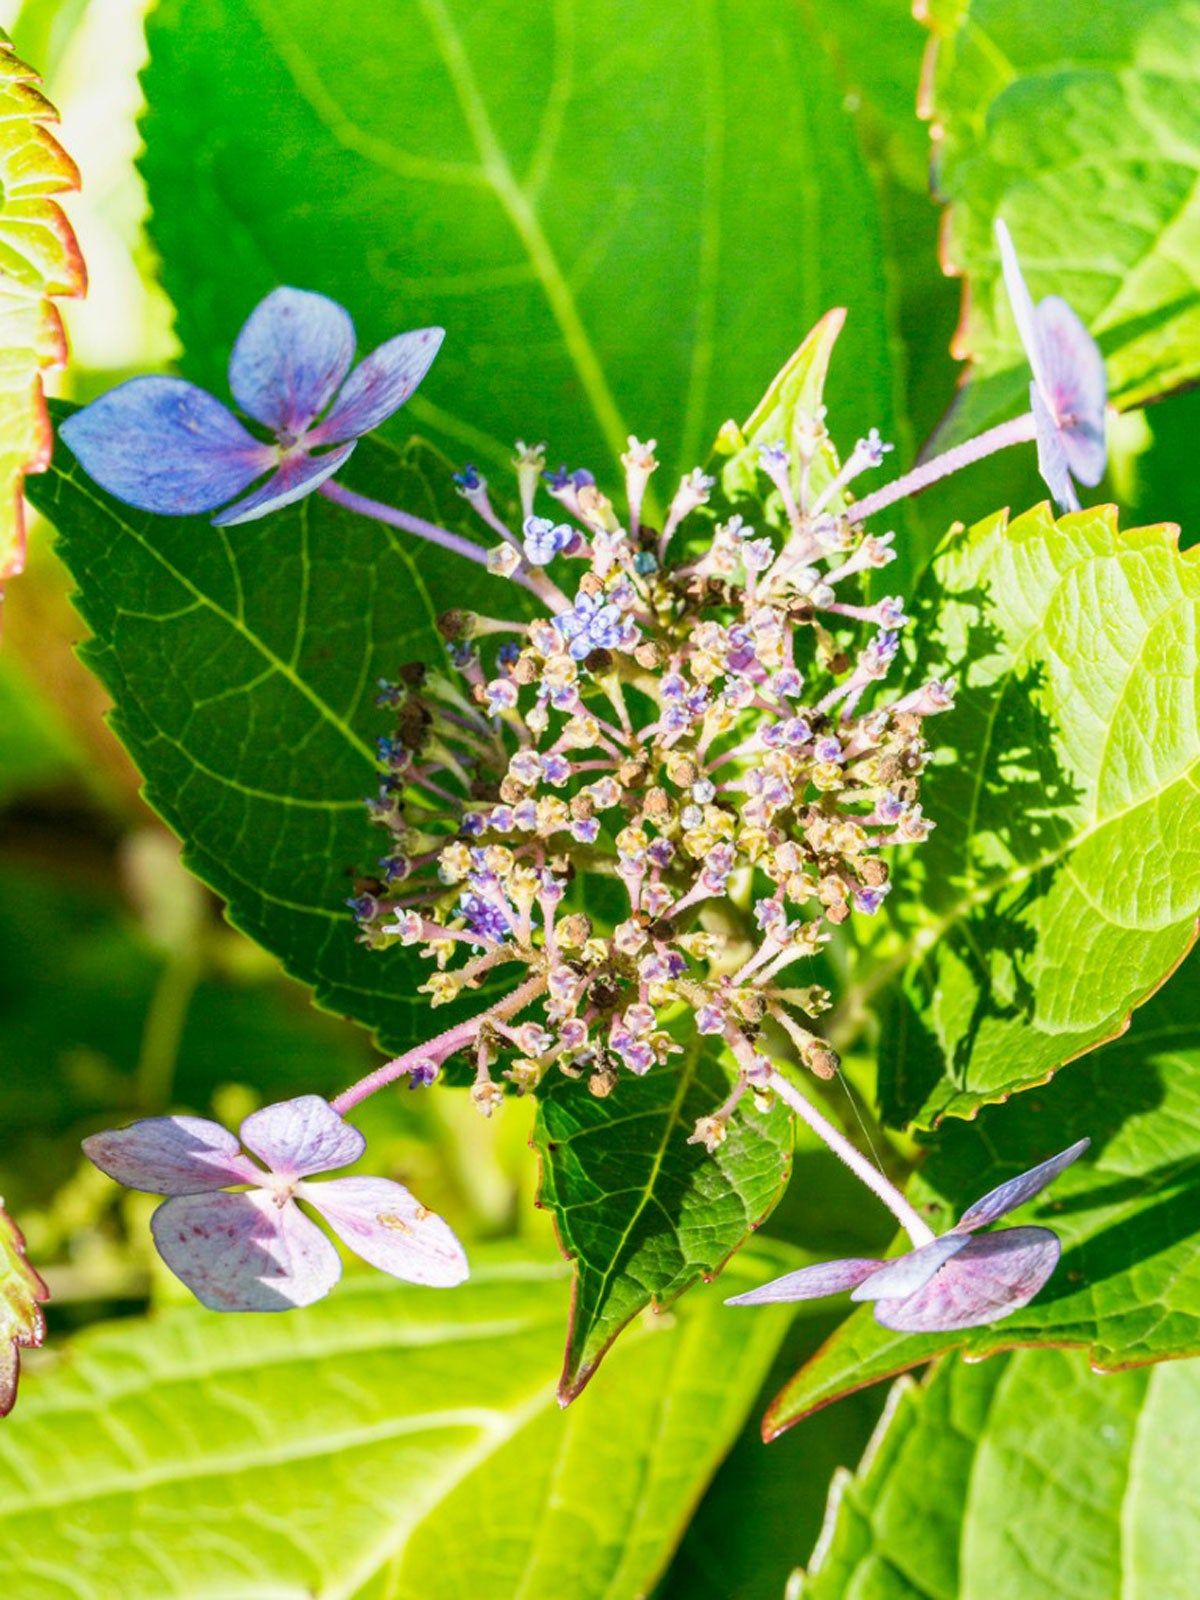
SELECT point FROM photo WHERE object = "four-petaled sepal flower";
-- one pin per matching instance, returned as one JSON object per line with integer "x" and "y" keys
{"x": 232, "y": 1229}
{"x": 164, "y": 445}
{"x": 956, "y": 1281}
{"x": 1069, "y": 388}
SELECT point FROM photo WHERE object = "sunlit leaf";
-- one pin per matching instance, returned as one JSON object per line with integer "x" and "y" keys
{"x": 389, "y": 1442}
{"x": 39, "y": 260}
{"x": 1062, "y": 883}
{"x": 1084, "y": 136}
{"x": 21, "y": 1321}
{"x": 1027, "y": 1475}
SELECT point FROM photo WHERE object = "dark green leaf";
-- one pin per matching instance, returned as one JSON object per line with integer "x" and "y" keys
{"x": 426, "y": 1455}
{"x": 643, "y": 1214}
{"x": 1025, "y": 1476}
{"x": 1128, "y": 1215}
{"x": 243, "y": 665}
{"x": 1063, "y": 881}
{"x": 625, "y": 223}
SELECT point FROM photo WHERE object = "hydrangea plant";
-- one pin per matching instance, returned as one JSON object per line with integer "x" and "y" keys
{"x": 699, "y": 714}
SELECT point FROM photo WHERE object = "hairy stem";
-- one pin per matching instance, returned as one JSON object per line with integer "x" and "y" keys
{"x": 1019, "y": 431}
{"x": 437, "y": 1049}
{"x": 918, "y": 1231}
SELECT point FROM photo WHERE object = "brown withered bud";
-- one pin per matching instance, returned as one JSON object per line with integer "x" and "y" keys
{"x": 821, "y": 1061}
{"x": 889, "y": 770}
{"x": 574, "y": 931}
{"x": 632, "y": 773}
{"x": 838, "y": 913}
{"x": 512, "y": 792}
{"x": 682, "y": 771}
{"x": 604, "y": 992}
{"x": 801, "y": 611}
{"x": 583, "y": 807}
{"x": 413, "y": 674}
{"x": 591, "y": 584}
{"x": 524, "y": 671}
{"x": 483, "y": 789}
{"x": 456, "y": 624}
{"x": 873, "y": 872}
{"x": 649, "y": 655}
{"x": 369, "y": 886}
{"x": 598, "y": 660}
{"x": 657, "y": 804}
{"x": 750, "y": 1005}
{"x": 840, "y": 662}
{"x": 603, "y": 1081}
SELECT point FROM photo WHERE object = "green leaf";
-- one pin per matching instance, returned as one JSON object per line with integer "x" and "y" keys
{"x": 643, "y": 1214}
{"x": 1025, "y": 1476}
{"x": 21, "y": 1321}
{"x": 428, "y": 1456}
{"x": 243, "y": 665}
{"x": 1126, "y": 1289}
{"x": 1063, "y": 881}
{"x": 39, "y": 262}
{"x": 1084, "y": 137}
{"x": 36, "y": 750}
{"x": 624, "y": 224}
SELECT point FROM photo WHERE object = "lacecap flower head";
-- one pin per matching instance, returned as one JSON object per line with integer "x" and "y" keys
{"x": 233, "y": 1229}
{"x": 960, "y": 1280}
{"x": 164, "y": 445}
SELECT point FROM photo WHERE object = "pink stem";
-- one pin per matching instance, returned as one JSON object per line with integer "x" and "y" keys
{"x": 918, "y": 1230}
{"x": 437, "y": 1049}
{"x": 1019, "y": 431}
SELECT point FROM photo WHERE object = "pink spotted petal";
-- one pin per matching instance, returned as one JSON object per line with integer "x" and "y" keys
{"x": 1076, "y": 387}
{"x": 809, "y": 1283}
{"x": 1016, "y": 1191}
{"x": 297, "y": 476}
{"x": 382, "y": 1223}
{"x": 243, "y": 1252}
{"x": 299, "y": 1137}
{"x": 1052, "y": 458}
{"x": 172, "y": 1155}
{"x": 995, "y": 1275}
{"x": 163, "y": 445}
{"x": 908, "y": 1273}
{"x": 379, "y": 385}
{"x": 292, "y": 353}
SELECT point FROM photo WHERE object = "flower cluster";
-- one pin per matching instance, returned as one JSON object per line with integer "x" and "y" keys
{"x": 709, "y": 733}
{"x": 697, "y": 727}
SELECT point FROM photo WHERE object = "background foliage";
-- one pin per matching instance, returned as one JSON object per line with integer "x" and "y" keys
{"x": 532, "y": 178}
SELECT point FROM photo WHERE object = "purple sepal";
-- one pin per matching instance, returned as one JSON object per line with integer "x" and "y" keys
{"x": 897, "y": 1279}
{"x": 1052, "y": 458}
{"x": 1016, "y": 1191}
{"x": 991, "y": 1278}
{"x": 299, "y": 1137}
{"x": 171, "y": 1155}
{"x": 1076, "y": 387}
{"x": 245, "y": 1252}
{"x": 809, "y": 1283}
{"x": 163, "y": 445}
{"x": 382, "y": 1223}
{"x": 292, "y": 353}
{"x": 379, "y": 385}
{"x": 297, "y": 476}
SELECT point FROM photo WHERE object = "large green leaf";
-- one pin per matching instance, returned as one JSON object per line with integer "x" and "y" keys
{"x": 1084, "y": 136}
{"x": 642, "y": 1213}
{"x": 426, "y": 1456}
{"x": 624, "y": 223}
{"x": 1127, "y": 1289}
{"x": 243, "y": 665}
{"x": 1025, "y": 1477}
{"x": 1063, "y": 881}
